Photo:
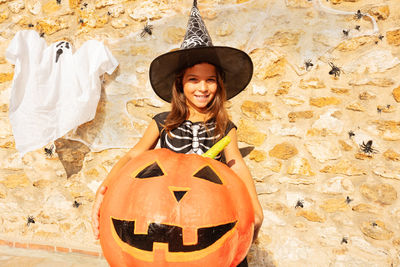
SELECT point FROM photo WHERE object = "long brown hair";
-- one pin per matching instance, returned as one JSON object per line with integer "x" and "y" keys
{"x": 180, "y": 111}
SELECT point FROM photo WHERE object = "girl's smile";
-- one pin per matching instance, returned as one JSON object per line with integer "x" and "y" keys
{"x": 200, "y": 85}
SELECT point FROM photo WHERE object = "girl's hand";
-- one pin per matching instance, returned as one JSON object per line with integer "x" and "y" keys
{"x": 96, "y": 211}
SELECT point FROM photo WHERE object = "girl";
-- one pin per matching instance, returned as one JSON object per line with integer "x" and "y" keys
{"x": 202, "y": 77}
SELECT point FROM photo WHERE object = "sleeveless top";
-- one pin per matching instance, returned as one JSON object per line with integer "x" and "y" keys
{"x": 190, "y": 137}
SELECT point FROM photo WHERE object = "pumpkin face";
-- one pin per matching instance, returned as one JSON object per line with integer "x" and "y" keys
{"x": 170, "y": 209}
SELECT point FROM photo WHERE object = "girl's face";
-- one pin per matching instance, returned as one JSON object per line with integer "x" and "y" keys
{"x": 200, "y": 85}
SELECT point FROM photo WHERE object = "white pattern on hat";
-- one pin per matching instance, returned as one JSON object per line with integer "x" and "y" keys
{"x": 196, "y": 33}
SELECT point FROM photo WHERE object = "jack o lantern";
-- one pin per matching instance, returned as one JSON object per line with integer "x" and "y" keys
{"x": 170, "y": 209}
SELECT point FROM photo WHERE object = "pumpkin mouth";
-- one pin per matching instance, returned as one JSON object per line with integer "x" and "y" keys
{"x": 170, "y": 235}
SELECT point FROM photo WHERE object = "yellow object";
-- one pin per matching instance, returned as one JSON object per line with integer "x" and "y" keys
{"x": 217, "y": 148}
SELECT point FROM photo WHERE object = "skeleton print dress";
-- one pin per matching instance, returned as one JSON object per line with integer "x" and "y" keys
{"x": 189, "y": 137}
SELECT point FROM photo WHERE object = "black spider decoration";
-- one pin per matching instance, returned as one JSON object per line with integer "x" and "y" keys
{"x": 58, "y": 2}
{"x": 300, "y": 203}
{"x": 348, "y": 200}
{"x": 357, "y": 27}
{"x": 76, "y": 204}
{"x": 30, "y": 220}
{"x": 346, "y": 33}
{"x": 49, "y": 151}
{"x": 374, "y": 224}
{"x": 335, "y": 71}
{"x": 308, "y": 64}
{"x": 358, "y": 14}
{"x": 147, "y": 29}
{"x": 81, "y": 21}
{"x": 344, "y": 240}
{"x": 30, "y": 25}
{"x": 351, "y": 134}
{"x": 380, "y": 37}
{"x": 367, "y": 148}
{"x": 42, "y": 34}
{"x": 379, "y": 109}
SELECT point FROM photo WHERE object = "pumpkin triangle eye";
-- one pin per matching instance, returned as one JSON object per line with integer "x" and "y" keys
{"x": 207, "y": 173}
{"x": 153, "y": 170}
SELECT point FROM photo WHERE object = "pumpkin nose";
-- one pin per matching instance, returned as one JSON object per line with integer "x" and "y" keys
{"x": 178, "y": 192}
{"x": 179, "y": 195}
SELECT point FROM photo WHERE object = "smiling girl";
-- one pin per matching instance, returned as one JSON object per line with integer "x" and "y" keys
{"x": 196, "y": 80}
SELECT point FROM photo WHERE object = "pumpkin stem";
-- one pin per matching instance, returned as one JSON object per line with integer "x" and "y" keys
{"x": 217, "y": 148}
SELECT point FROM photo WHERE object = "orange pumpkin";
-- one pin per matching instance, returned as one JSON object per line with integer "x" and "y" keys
{"x": 170, "y": 209}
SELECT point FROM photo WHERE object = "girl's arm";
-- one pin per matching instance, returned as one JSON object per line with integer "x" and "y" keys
{"x": 235, "y": 161}
{"x": 147, "y": 142}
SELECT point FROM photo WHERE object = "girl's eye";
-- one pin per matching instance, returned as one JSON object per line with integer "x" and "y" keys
{"x": 212, "y": 80}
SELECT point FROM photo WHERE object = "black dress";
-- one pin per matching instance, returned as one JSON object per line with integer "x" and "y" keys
{"x": 191, "y": 138}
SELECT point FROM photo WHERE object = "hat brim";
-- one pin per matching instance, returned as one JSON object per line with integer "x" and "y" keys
{"x": 236, "y": 64}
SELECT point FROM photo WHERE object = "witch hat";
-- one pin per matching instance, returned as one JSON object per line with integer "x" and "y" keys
{"x": 197, "y": 48}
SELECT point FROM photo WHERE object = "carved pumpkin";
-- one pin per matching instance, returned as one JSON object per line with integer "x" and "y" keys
{"x": 170, "y": 209}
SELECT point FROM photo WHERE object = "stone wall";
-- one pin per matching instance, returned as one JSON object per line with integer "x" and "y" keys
{"x": 319, "y": 124}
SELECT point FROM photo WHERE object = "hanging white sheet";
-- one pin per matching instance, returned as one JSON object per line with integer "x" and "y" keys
{"x": 53, "y": 89}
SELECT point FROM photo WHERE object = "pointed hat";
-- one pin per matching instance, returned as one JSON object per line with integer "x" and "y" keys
{"x": 196, "y": 48}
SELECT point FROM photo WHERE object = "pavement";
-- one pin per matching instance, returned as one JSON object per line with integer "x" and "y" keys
{"x": 19, "y": 257}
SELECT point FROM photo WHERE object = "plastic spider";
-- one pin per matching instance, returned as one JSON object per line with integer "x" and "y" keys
{"x": 358, "y": 15}
{"x": 30, "y": 220}
{"x": 76, "y": 204}
{"x": 308, "y": 64}
{"x": 335, "y": 70}
{"x": 49, "y": 151}
{"x": 146, "y": 30}
{"x": 300, "y": 203}
{"x": 367, "y": 147}
{"x": 380, "y": 37}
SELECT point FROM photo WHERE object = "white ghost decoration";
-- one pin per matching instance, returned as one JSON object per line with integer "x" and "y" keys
{"x": 53, "y": 90}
